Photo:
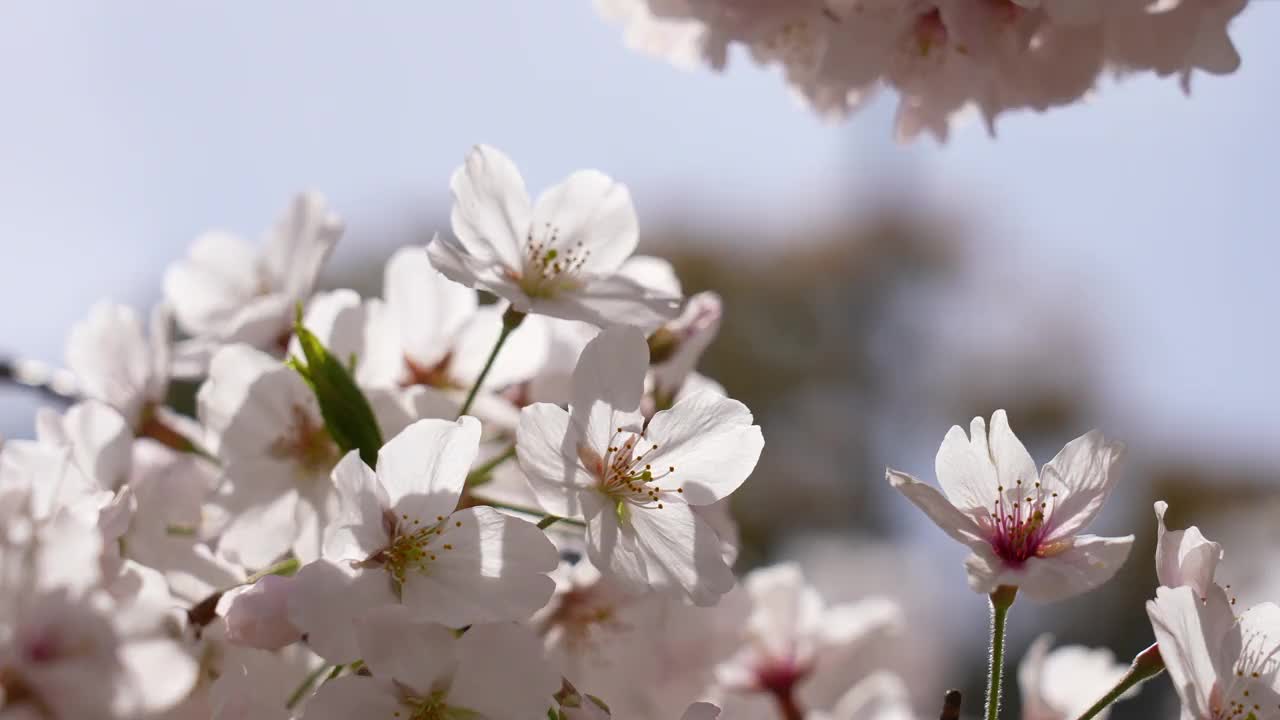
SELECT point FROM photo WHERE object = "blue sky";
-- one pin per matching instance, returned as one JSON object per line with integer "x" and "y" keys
{"x": 133, "y": 126}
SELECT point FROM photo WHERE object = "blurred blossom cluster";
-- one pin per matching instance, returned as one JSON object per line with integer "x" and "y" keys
{"x": 941, "y": 56}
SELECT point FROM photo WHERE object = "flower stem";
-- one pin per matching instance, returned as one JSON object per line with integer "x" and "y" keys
{"x": 1001, "y": 600}
{"x": 546, "y": 521}
{"x": 510, "y": 321}
{"x": 481, "y": 474}
{"x": 307, "y": 682}
{"x": 787, "y": 704}
{"x": 284, "y": 568}
{"x": 951, "y": 705}
{"x": 1146, "y": 665}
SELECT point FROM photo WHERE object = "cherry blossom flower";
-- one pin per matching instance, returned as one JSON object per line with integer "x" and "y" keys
{"x": 1022, "y": 525}
{"x": 1062, "y": 684}
{"x": 559, "y": 256}
{"x": 74, "y": 647}
{"x": 227, "y": 292}
{"x": 428, "y": 333}
{"x": 116, "y": 362}
{"x": 793, "y": 644}
{"x": 647, "y": 655}
{"x": 1221, "y": 665}
{"x": 398, "y": 539}
{"x": 444, "y": 336}
{"x": 421, "y": 670}
{"x": 1185, "y": 557}
{"x": 265, "y": 424}
{"x": 634, "y": 485}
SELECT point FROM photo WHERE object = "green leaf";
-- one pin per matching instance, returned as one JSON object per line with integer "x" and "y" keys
{"x": 347, "y": 414}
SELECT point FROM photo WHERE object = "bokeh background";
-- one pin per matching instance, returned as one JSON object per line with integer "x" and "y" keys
{"x": 1112, "y": 264}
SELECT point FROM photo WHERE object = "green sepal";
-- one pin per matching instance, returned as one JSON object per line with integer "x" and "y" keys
{"x": 347, "y": 414}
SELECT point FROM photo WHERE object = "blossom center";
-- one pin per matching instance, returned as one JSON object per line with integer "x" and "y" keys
{"x": 429, "y": 707}
{"x": 432, "y": 376}
{"x": 1021, "y": 524}
{"x": 624, "y": 474}
{"x": 413, "y": 546}
{"x": 581, "y": 611}
{"x": 549, "y": 268}
{"x": 306, "y": 443}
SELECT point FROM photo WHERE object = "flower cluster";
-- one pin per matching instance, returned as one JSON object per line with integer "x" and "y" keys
{"x": 1023, "y": 529}
{"x": 422, "y": 505}
{"x": 438, "y": 505}
{"x": 941, "y": 56}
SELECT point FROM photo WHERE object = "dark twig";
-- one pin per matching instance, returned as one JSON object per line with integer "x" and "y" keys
{"x": 52, "y": 383}
{"x": 951, "y": 706}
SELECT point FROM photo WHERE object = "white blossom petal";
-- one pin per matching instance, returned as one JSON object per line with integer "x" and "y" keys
{"x": 592, "y": 211}
{"x": 484, "y": 567}
{"x": 502, "y": 673}
{"x": 491, "y": 211}
{"x": 424, "y": 467}
{"x": 710, "y": 441}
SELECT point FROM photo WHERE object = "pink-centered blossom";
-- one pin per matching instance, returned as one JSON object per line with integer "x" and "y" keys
{"x": 1023, "y": 525}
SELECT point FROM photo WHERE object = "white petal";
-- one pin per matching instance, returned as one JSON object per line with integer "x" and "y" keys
{"x": 490, "y": 207}
{"x": 938, "y": 507}
{"x": 1088, "y": 563}
{"x": 359, "y": 529}
{"x": 424, "y": 467}
{"x": 258, "y": 617}
{"x": 1184, "y": 557}
{"x": 354, "y": 697}
{"x": 111, "y": 357}
{"x": 710, "y": 441}
{"x": 456, "y": 262}
{"x": 428, "y": 308}
{"x": 262, "y": 506}
{"x": 1187, "y": 629}
{"x": 487, "y": 567}
{"x": 250, "y": 400}
{"x": 502, "y": 673}
{"x": 547, "y": 448}
{"x": 101, "y": 442}
{"x": 1031, "y": 676}
{"x": 299, "y": 244}
{"x": 326, "y": 600}
{"x": 879, "y": 696}
{"x": 610, "y": 300}
{"x": 965, "y": 471}
{"x": 610, "y": 372}
{"x": 681, "y": 551}
{"x": 217, "y": 277}
{"x": 652, "y": 272}
{"x": 1013, "y": 462}
{"x": 396, "y": 644}
{"x": 613, "y": 549}
{"x": 1082, "y": 475}
{"x": 589, "y": 210}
